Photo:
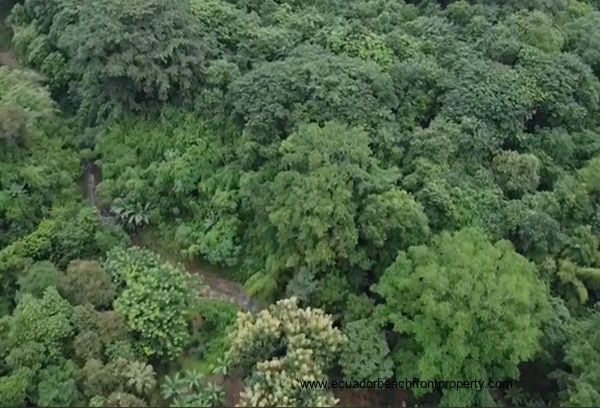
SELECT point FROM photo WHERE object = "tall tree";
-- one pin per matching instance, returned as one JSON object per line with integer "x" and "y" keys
{"x": 464, "y": 308}
{"x": 582, "y": 353}
{"x": 131, "y": 56}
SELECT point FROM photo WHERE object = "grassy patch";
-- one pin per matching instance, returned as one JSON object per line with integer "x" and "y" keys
{"x": 210, "y": 342}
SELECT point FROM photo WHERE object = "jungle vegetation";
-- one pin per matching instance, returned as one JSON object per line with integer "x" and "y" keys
{"x": 406, "y": 188}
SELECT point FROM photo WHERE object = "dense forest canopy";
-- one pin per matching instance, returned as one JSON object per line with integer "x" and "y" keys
{"x": 405, "y": 189}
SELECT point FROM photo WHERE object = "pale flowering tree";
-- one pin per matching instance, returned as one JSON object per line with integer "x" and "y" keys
{"x": 281, "y": 347}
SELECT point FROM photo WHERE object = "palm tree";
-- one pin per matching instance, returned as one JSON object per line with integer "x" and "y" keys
{"x": 171, "y": 387}
{"x": 140, "y": 377}
{"x": 193, "y": 379}
{"x": 214, "y": 394}
{"x": 222, "y": 366}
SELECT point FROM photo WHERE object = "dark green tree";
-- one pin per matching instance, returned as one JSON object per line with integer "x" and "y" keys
{"x": 130, "y": 58}
{"x": 87, "y": 282}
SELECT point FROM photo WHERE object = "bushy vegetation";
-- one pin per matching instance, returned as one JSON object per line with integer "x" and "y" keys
{"x": 407, "y": 188}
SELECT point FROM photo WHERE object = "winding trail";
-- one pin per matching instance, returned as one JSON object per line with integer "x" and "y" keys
{"x": 215, "y": 284}
{"x": 8, "y": 59}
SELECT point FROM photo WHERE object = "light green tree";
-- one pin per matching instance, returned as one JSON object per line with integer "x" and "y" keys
{"x": 465, "y": 308}
{"x": 516, "y": 173}
{"x": 154, "y": 302}
{"x": 366, "y": 354}
{"x": 43, "y": 323}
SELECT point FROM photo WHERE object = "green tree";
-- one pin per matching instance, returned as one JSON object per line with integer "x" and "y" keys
{"x": 537, "y": 29}
{"x": 155, "y": 300}
{"x": 57, "y": 385}
{"x": 36, "y": 278}
{"x": 140, "y": 377}
{"x": 583, "y": 37}
{"x": 134, "y": 378}
{"x": 87, "y": 282}
{"x": 310, "y": 210}
{"x": 160, "y": 56}
{"x": 392, "y": 221}
{"x": 312, "y": 85}
{"x": 565, "y": 91}
{"x": 35, "y": 169}
{"x": 582, "y": 354}
{"x": 366, "y": 354}
{"x": 493, "y": 93}
{"x": 516, "y": 173}
{"x": 13, "y": 387}
{"x": 463, "y": 296}
{"x": 191, "y": 390}
{"x": 45, "y": 321}
{"x": 123, "y": 399}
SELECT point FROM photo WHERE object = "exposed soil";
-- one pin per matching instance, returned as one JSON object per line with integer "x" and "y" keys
{"x": 217, "y": 286}
{"x": 9, "y": 59}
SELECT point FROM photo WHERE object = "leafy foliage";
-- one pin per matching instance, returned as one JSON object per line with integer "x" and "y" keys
{"x": 450, "y": 291}
{"x": 344, "y": 89}
{"x": 366, "y": 354}
{"x": 35, "y": 333}
{"x": 69, "y": 233}
{"x": 86, "y": 282}
{"x": 191, "y": 390}
{"x": 160, "y": 53}
{"x": 444, "y": 154}
{"x": 35, "y": 169}
{"x": 582, "y": 356}
{"x": 36, "y": 278}
{"x": 155, "y": 300}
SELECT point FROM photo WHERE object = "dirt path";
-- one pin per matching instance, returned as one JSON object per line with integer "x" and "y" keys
{"x": 216, "y": 286}
{"x": 9, "y": 59}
